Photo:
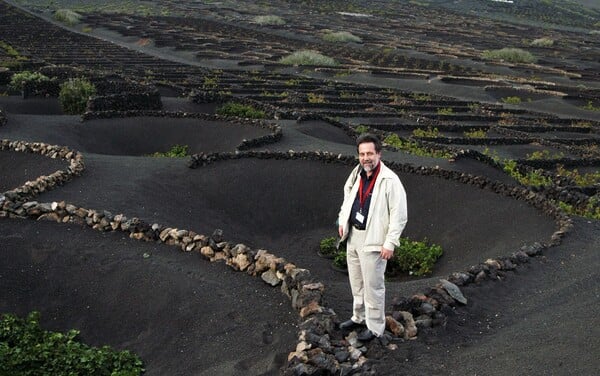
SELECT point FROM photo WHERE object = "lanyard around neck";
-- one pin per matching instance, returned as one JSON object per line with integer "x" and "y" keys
{"x": 362, "y": 198}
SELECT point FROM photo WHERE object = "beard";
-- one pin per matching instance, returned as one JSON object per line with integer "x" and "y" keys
{"x": 369, "y": 166}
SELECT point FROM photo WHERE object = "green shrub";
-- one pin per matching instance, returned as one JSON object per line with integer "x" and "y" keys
{"x": 268, "y": 20}
{"x": 582, "y": 180}
{"x": 589, "y": 106}
{"x": 413, "y": 147}
{"x": 328, "y": 246}
{"x": 590, "y": 211}
{"x": 421, "y": 97}
{"x": 476, "y": 133}
{"x": 341, "y": 36}
{"x": 415, "y": 257}
{"x": 544, "y": 154}
{"x": 67, "y": 17}
{"x": 542, "y": 42}
{"x": 361, "y": 129}
{"x": 511, "y": 100}
{"x": 316, "y": 98}
{"x": 240, "y": 110}
{"x": 340, "y": 259}
{"x": 74, "y": 95}
{"x": 429, "y": 132}
{"x": 445, "y": 111}
{"x": 27, "y": 350}
{"x": 531, "y": 178}
{"x": 18, "y": 80}
{"x": 177, "y": 151}
{"x": 512, "y": 55}
{"x": 308, "y": 57}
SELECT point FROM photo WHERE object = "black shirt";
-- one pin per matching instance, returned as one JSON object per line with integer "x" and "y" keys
{"x": 356, "y": 205}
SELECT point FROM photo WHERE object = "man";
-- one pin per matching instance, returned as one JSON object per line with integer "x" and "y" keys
{"x": 371, "y": 218}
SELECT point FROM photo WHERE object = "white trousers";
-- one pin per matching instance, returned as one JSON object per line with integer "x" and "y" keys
{"x": 366, "y": 273}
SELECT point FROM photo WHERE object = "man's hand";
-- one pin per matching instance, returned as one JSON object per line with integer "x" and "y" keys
{"x": 341, "y": 231}
{"x": 386, "y": 254}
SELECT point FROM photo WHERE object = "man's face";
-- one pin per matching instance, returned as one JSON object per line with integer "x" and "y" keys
{"x": 368, "y": 157}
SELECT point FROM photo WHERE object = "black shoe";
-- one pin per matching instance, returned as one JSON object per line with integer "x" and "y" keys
{"x": 366, "y": 335}
{"x": 349, "y": 324}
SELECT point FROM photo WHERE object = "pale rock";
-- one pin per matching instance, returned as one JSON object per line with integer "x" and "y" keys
{"x": 311, "y": 308}
{"x": 394, "y": 326}
{"x": 207, "y": 252}
{"x": 410, "y": 328}
{"x": 270, "y": 277}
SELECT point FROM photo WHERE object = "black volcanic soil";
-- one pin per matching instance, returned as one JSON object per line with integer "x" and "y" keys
{"x": 178, "y": 311}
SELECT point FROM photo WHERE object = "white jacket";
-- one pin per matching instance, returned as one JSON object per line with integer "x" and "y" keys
{"x": 388, "y": 212}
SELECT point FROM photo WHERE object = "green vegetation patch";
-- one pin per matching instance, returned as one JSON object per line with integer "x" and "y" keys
{"x": 268, "y": 20}
{"x": 27, "y": 350}
{"x": 18, "y": 80}
{"x": 341, "y": 36}
{"x": 542, "y": 42}
{"x": 589, "y": 106}
{"x": 177, "y": 151}
{"x": 512, "y": 55}
{"x": 583, "y": 180}
{"x": 477, "y": 133}
{"x": 445, "y": 111}
{"x": 429, "y": 132}
{"x": 74, "y": 95}
{"x": 67, "y": 17}
{"x": 410, "y": 257}
{"x": 590, "y": 211}
{"x": 544, "y": 154}
{"x": 414, "y": 147}
{"x": 240, "y": 110}
{"x": 512, "y": 100}
{"x": 308, "y": 57}
{"x": 415, "y": 257}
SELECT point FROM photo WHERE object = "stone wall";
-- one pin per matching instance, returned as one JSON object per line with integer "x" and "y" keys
{"x": 273, "y": 137}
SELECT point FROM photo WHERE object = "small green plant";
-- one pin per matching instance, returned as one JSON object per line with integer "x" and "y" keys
{"x": 67, "y": 17}
{"x": 74, "y": 95}
{"x": 445, "y": 111}
{"x": 339, "y": 259}
{"x": 316, "y": 98}
{"x": 292, "y": 82}
{"x": 341, "y": 36}
{"x": 18, "y": 80}
{"x": 328, "y": 247}
{"x": 268, "y": 20}
{"x": 274, "y": 94}
{"x": 177, "y": 151}
{"x": 542, "y": 42}
{"x": 589, "y": 106}
{"x": 308, "y": 57}
{"x": 11, "y": 51}
{"x": 414, "y": 147}
{"x": 86, "y": 29}
{"x": 415, "y": 257}
{"x": 543, "y": 154}
{"x": 582, "y": 180}
{"x": 530, "y": 178}
{"x": 421, "y": 97}
{"x": 240, "y": 110}
{"x": 429, "y": 132}
{"x": 476, "y": 133}
{"x": 28, "y": 350}
{"x": 210, "y": 82}
{"x": 512, "y": 55}
{"x": 591, "y": 210}
{"x": 512, "y": 100}
{"x": 348, "y": 94}
{"x": 360, "y": 129}
{"x": 474, "y": 107}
